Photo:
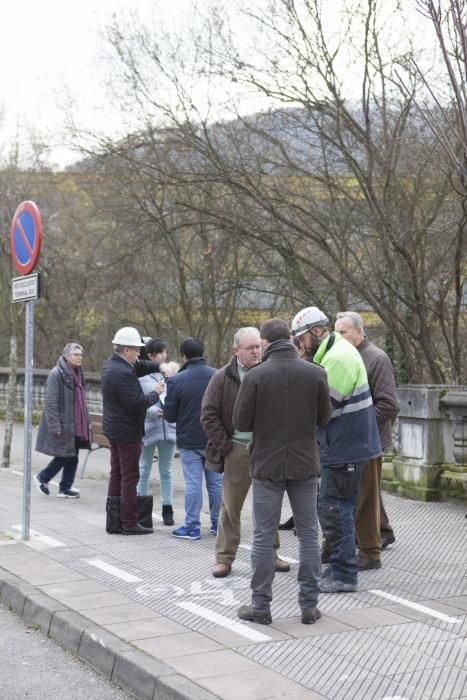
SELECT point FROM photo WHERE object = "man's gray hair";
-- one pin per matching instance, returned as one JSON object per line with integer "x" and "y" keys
{"x": 243, "y": 331}
{"x": 70, "y": 348}
{"x": 356, "y": 319}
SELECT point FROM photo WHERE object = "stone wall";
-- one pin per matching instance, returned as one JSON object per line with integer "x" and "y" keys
{"x": 429, "y": 461}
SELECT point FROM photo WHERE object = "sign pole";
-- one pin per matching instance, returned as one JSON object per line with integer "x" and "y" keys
{"x": 26, "y": 240}
{"x": 28, "y": 397}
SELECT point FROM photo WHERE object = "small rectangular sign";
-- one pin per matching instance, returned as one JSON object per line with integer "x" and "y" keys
{"x": 25, "y": 288}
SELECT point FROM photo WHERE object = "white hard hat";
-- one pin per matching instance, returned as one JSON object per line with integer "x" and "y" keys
{"x": 308, "y": 318}
{"x": 128, "y": 336}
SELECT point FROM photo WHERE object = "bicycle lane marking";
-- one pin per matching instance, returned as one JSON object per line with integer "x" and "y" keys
{"x": 220, "y": 591}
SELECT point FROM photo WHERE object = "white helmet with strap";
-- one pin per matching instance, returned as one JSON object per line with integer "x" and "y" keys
{"x": 306, "y": 319}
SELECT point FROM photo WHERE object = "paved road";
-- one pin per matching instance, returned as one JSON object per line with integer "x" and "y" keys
{"x": 33, "y": 666}
{"x": 403, "y": 634}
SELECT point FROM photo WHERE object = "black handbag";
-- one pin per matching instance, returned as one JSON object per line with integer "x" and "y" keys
{"x": 114, "y": 524}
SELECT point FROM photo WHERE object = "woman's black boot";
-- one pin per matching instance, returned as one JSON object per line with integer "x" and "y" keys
{"x": 167, "y": 515}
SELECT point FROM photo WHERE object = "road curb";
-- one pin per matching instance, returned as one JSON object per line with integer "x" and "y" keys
{"x": 142, "y": 675}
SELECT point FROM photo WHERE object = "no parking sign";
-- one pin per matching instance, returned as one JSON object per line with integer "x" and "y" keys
{"x": 26, "y": 237}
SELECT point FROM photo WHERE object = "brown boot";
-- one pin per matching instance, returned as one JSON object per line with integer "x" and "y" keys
{"x": 221, "y": 570}
{"x": 281, "y": 565}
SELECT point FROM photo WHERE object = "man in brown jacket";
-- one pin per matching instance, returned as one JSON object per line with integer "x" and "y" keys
{"x": 372, "y": 526}
{"x": 227, "y": 448}
{"x": 282, "y": 400}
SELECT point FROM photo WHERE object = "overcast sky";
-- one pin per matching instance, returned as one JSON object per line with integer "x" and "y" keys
{"x": 48, "y": 47}
{"x": 51, "y": 47}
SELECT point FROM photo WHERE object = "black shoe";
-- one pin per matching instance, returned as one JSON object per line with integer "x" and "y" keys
{"x": 288, "y": 525}
{"x": 386, "y": 541}
{"x": 309, "y": 617}
{"x": 167, "y": 515}
{"x": 137, "y": 529}
{"x": 364, "y": 564}
{"x": 261, "y": 617}
{"x": 41, "y": 485}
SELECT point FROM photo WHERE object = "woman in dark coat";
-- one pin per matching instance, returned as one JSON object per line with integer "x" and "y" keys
{"x": 64, "y": 426}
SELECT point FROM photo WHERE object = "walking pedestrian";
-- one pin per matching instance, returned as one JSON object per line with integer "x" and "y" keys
{"x": 64, "y": 425}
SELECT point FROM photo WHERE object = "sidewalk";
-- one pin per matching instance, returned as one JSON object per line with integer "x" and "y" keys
{"x": 146, "y": 612}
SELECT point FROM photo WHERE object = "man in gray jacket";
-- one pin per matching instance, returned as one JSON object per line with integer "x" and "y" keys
{"x": 282, "y": 400}
{"x": 373, "y": 530}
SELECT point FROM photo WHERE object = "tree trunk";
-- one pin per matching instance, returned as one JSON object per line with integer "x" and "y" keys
{"x": 11, "y": 404}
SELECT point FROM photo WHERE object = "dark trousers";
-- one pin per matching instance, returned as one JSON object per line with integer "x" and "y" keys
{"x": 124, "y": 475}
{"x": 337, "y": 501}
{"x": 69, "y": 466}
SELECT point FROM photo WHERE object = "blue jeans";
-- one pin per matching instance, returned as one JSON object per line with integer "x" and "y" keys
{"x": 165, "y": 452}
{"x": 267, "y": 502}
{"x": 193, "y": 469}
{"x": 337, "y": 501}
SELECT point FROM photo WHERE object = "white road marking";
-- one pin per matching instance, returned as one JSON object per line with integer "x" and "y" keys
{"x": 37, "y": 541}
{"x": 238, "y": 627}
{"x": 417, "y": 606}
{"x": 55, "y": 483}
{"x": 287, "y": 559}
{"x": 113, "y": 570}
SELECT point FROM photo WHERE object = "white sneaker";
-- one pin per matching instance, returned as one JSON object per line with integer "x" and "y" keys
{"x": 70, "y": 493}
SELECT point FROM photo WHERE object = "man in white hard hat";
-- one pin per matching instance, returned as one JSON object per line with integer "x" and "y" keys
{"x": 125, "y": 405}
{"x": 348, "y": 441}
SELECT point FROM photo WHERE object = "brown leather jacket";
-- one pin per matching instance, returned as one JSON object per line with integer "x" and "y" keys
{"x": 383, "y": 388}
{"x": 216, "y": 414}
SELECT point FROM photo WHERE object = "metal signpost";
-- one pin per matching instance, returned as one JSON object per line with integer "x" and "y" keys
{"x": 26, "y": 240}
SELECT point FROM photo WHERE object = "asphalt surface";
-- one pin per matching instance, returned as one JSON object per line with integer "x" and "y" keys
{"x": 34, "y": 666}
{"x": 147, "y": 612}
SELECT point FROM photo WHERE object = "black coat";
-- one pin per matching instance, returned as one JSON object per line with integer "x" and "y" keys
{"x": 182, "y": 406}
{"x": 124, "y": 401}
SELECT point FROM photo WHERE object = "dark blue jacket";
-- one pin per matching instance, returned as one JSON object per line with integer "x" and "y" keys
{"x": 124, "y": 401}
{"x": 182, "y": 405}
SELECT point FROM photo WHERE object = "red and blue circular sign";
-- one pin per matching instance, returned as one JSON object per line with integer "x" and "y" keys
{"x": 26, "y": 237}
